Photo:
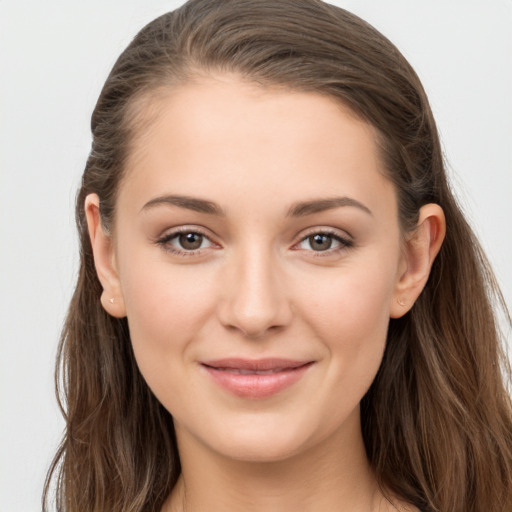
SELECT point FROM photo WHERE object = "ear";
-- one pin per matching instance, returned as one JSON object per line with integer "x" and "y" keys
{"x": 419, "y": 252}
{"x": 104, "y": 259}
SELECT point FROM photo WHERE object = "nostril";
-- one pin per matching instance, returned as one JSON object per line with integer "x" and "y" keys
{"x": 253, "y": 322}
{"x": 257, "y": 334}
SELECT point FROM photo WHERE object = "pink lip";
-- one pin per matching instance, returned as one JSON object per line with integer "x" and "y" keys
{"x": 259, "y": 378}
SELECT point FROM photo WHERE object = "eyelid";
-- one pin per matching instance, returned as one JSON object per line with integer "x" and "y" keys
{"x": 346, "y": 241}
{"x": 164, "y": 240}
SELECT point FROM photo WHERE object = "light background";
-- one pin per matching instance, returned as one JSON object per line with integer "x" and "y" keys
{"x": 54, "y": 58}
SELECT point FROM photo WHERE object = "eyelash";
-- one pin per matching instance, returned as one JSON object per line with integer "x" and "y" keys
{"x": 345, "y": 243}
{"x": 165, "y": 240}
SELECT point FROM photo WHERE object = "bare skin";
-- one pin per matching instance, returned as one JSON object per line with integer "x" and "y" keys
{"x": 257, "y": 225}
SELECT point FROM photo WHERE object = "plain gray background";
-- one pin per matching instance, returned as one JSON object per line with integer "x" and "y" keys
{"x": 54, "y": 58}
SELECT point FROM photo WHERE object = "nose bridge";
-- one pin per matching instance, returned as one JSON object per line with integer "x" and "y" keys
{"x": 255, "y": 299}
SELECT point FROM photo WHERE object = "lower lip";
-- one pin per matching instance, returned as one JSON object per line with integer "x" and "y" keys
{"x": 256, "y": 385}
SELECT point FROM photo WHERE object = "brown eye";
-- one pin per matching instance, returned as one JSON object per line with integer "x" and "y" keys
{"x": 320, "y": 242}
{"x": 190, "y": 241}
{"x": 324, "y": 242}
{"x": 185, "y": 243}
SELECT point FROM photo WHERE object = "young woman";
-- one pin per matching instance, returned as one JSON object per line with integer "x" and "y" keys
{"x": 280, "y": 306}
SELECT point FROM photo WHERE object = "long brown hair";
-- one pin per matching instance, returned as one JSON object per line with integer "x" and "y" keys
{"x": 437, "y": 421}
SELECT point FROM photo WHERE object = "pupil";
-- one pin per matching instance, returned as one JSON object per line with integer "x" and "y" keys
{"x": 191, "y": 241}
{"x": 320, "y": 242}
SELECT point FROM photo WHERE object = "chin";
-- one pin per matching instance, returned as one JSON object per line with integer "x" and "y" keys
{"x": 261, "y": 450}
{"x": 267, "y": 438}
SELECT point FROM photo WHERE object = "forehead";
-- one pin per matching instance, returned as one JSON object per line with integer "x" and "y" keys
{"x": 244, "y": 138}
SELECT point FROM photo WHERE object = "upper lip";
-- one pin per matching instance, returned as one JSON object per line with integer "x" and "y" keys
{"x": 256, "y": 364}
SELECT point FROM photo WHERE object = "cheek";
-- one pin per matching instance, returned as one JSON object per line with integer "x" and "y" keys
{"x": 165, "y": 307}
{"x": 352, "y": 302}
{"x": 350, "y": 313}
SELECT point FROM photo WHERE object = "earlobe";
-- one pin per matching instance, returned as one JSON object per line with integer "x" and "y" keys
{"x": 104, "y": 259}
{"x": 420, "y": 251}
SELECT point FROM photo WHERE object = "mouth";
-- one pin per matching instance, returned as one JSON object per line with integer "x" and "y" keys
{"x": 256, "y": 379}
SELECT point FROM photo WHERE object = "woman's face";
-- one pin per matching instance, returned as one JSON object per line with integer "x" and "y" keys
{"x": 258, "y": 254}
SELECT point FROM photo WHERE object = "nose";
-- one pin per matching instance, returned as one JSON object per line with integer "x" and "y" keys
{"x": 254, "y": 298}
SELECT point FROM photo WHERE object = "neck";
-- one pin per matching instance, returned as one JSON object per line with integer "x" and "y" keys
{"x": 334, "y": 475}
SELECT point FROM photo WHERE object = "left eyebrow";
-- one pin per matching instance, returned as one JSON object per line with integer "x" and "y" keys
{"x": 190, "y": 203}
{"x": 320, "y": 205}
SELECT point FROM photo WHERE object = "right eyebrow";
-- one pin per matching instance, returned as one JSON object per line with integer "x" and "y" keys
{"x": 320, "y": 205}
{"x": 190, "y": 203}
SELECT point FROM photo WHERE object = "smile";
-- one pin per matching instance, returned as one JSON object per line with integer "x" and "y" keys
{"x": 256, "y": 379}
{"x": 251, "y": 372}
